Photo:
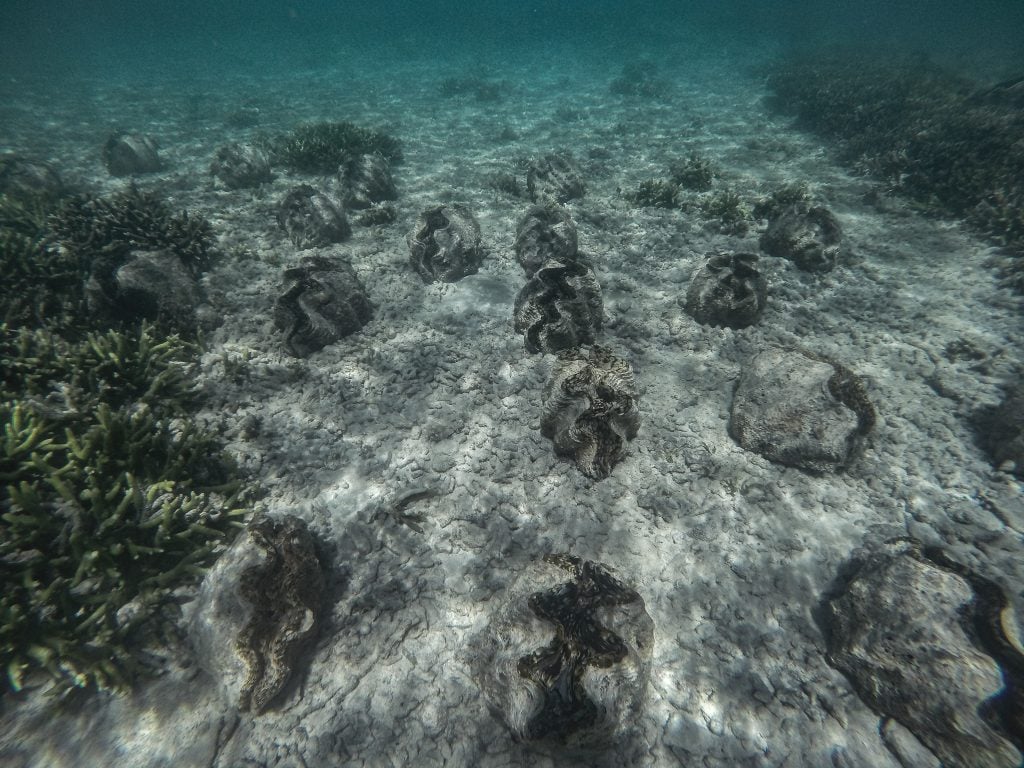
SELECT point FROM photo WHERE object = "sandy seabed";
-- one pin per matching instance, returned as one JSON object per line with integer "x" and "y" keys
{"x": 730, "y": 552}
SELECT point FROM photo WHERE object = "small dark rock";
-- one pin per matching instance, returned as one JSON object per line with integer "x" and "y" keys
{"x": 125, "y": 154}
{"x": 241, "y": 165}
{"x": 311, "y": 218}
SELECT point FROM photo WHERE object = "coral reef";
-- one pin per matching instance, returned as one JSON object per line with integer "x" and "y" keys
{"x": 323, "y": 147}
{"x": 781, "y": 199}
{"x": 546, "y": 232}
{"x": 366, "y": 181}
{"x": 103, "y": 230}
{"x": 729, "y": 290}
{"x": 110, "y": 500}
{"x": 727, "y": 209}
{"x": 554, "y": 178}
{"x": 311, "y": 218}
{"x": 590, "y": 409}
{"x": 809, "y": 236}
{"x": 241, "y": 165}
{"x": 801, "y": 411}
{"x": 922, "y": 131}
{"x": 126, "y": 154}
{"x": 445, "y": 244}
{"x": 582, "y": 690}
{"x": 559, "y": 307}
{"x": 20, "y": 177}
{"x": 654, "y": 193}
{"x": 696, "y": 173}
{"x": 323, "y": 301}
{"x": 896, "y": 605}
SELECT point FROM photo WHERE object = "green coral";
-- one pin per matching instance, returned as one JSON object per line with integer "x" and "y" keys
{"x": 725, "y": 205}
{"x": 933, "y": 136}
{"x": 654, "y": 193}
{"x": 103, "y": 230}
{"x": 110, "y": 499}
{"x": 322, "y": 147}
{"x": 696, "y": 173}
{"x": 42, "y": 284}
{"x": 780, "y": 199}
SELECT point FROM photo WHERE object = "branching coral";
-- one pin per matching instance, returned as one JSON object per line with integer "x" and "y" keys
{"x": 109, "y": 500}
{"x": 322, "y": 147}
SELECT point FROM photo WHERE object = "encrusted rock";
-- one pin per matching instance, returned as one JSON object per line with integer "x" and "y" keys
{"x": 810, "y": 236}
{"x": 311, "y": 218}
{"x": 258, "y": 611}
{"x": 590, "y": 409}
{"x": 241, "y": 165}
{"x": 729, "y": 290}
{"x": 147, "y": 285}
{"x": 125, "y": 154}
{"x": 800, "y": 411}
{"x": 559, "y": 307}
{"x": 546, "y": 233}
{"x": 902, "y": 629}
{"x": 323, "y": 301}
{"x": 565, "y": 660}
{"x": 377, "y": 215}
{"x": 554, "y": 178}
{"x": 365, "y": 181}
{"x": 446, "y": 244}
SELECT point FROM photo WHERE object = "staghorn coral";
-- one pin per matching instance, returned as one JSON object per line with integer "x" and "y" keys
{"x": 109, "y": 500}
{"x": 590, "y": 409}
{"x": 695, "y": 173}
{"x": 654, "y": 193}
{"x": 322, "y": 147}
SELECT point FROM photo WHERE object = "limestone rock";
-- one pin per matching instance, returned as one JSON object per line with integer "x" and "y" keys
{"x": 896, "y": 628}
{"x": 590, "y": 409}
{"x": 560, "y": 307}
{"x": 241, "y": 165}
{"x": 311, "y": 218}
{"x": 565, "y": 659}
{"x": 729, "y": 290}
{"x": 125, "y": 154}
{"x": 810, "y": 236}
{"x": 365, "y": 181}
{"x": 546, "y": 233}
{"x": 258, "y": 610}
{"x": 800, "y": 411}
{"x": 446, "y": 244}
{"x": 323, "y": 301}
{"x": 554, "y": 179}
